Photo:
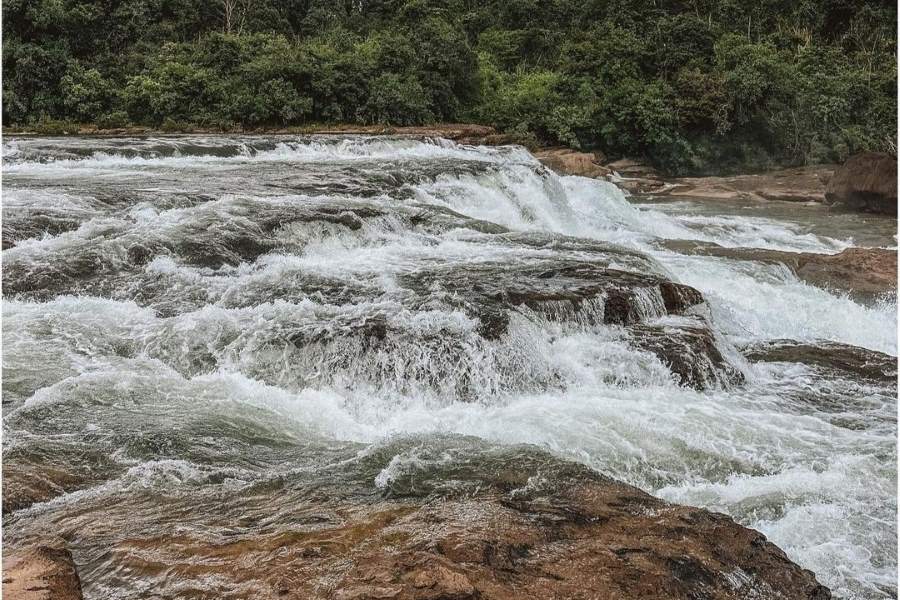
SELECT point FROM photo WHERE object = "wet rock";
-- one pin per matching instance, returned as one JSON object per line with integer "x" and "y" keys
{"x": 522, "y": 525}
{"x": 564, "y": 290}
{"x": 867, "y": 182}
{"x": 22, "y": 487}
{"x": 438, "y": 219}
{"x": 566, "y": 161}
{"x": 628, "y": 167}
{"x": 689, "y": 349}
{"x": 865, "y": 273}
{"x": 678, "y": 297}
{"x": 853, "y": 360}
{"x": 635, "y": 177}
{"x": 40, "y": 573}
{"x": 639, "y": 185}
{"x": 30, "y": 478}
{"x": 34, "y": 224}
{"x": 803, "y": 184}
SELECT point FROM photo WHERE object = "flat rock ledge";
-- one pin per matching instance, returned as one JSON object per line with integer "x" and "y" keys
{"x": 864, "y": 273}
{"x": 801, "y": 184}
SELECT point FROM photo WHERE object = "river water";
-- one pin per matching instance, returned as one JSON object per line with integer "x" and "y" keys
{"x": 188, "y": 317}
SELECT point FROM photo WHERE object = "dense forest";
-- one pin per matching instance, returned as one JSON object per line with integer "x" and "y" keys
{"x": 691, "y": 85}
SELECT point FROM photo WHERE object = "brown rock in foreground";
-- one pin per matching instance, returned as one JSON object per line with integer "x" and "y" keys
{"x": 863, "y": 272}
{"x": 566, "y": 534}
{"x": 453, "y": 519}
{"x": 866, "y": 182}
{"x": 40, "y": 573}
{"x": 566, "y": 161}
{"x": 592, "y": 541}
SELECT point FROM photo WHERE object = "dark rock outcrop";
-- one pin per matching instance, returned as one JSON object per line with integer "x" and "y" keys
{"x": 586, "y": 291}
{"x": 866, "y": 182}
{"x": 843, "y": 358}
{"x": 690, "y": 352}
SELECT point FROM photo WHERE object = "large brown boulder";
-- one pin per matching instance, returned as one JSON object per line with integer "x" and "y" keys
{"x": 605, "y": 541}
{"x": 514, "y": 524}
{"x": 866, "y": 182}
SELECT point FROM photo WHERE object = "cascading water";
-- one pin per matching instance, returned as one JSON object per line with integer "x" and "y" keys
{"x": 189, "y": 317}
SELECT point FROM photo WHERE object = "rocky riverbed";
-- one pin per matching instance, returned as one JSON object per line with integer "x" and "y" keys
{"x": 394, "y": 367}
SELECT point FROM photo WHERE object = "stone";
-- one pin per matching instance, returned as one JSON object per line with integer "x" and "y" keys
{"x": 566, "y": 161}
{"x": 844, "y": 358}
{"x": 627, "y": 167}
{"x": 864, "y": 273}
{"x": 517, "y": 522}
{"x": 799, "y": 185}
{"x": 867, "y": 182}
{"x": 690, "y": 352}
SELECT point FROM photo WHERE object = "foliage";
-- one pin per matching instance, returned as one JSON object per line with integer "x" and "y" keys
{"x": 691, "y": 85}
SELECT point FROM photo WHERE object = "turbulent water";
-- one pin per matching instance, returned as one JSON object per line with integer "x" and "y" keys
{"x": 189, "y": 320}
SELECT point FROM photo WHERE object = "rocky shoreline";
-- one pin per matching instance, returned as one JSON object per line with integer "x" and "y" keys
{"x": 865, "y": 183}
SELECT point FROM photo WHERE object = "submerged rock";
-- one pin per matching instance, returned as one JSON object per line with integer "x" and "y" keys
{"x": 852, "y": 360}
{"x": 40, "y": 573}
{"x": 867, "y": 182}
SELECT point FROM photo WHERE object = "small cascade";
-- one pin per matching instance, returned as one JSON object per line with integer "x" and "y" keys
{"x": 195, "y": 313}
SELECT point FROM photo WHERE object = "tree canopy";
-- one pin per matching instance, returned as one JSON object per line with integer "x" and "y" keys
{"x": 691, "y": 85}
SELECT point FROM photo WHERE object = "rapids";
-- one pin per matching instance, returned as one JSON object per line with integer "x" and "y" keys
{"x": 188, "y": 318}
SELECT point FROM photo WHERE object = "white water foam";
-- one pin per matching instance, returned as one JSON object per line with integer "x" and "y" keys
{"x": 764, "y": 452}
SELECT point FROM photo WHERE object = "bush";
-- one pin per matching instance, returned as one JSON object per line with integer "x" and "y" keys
{"x": 47, "y": 126}
{"x": 113, "y": 120}
{"x": 396, "y": 100}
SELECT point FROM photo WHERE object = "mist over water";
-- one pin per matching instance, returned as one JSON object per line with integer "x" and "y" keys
{"x": 188, "y": 314}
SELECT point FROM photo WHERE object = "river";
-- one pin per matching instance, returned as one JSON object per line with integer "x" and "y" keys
{"x": 186, "y": 318}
